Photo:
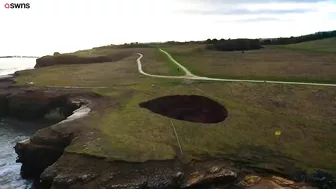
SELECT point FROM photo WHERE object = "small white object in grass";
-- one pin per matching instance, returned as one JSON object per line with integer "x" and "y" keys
{"x": 153, "y": 85}
{"x": 31, "y": 83}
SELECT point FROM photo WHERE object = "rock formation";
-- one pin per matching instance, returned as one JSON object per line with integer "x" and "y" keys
{"x": 33, "y": 105}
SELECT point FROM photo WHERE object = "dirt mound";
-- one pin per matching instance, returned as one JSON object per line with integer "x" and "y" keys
{"x": 188, "y": 108}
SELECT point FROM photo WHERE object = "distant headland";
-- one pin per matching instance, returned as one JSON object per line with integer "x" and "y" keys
{"x": 19, "y": 57}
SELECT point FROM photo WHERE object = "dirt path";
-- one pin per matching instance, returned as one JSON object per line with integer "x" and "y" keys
{"x": 187, "y": 72}
{"x": 151, "y": 75}
{"x": 73, "y": 87}
{"x": 189, "y": 75}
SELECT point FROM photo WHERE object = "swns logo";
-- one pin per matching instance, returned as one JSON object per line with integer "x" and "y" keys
{"x": 17, "y": 6}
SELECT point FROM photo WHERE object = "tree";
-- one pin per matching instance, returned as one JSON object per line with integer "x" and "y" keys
{"x": 235, "y": 45}
{"x": 300, "y": 39}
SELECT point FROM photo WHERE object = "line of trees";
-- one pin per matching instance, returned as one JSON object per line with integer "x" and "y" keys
{"x": 125, "y": 45}
{"x": 299, "y": 39}
{"x": 176, "y": 42}
{"x": 233, "y": 44}
{"x": 134, "y": 45}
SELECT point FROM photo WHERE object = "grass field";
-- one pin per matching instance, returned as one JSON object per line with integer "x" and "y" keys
{"x": 124, "y": 131}
{"x": 270, "y": 63}
{"x": 157, "y": 63}
{"x": 255, "y": 113}
{"x": 324, "y": 45}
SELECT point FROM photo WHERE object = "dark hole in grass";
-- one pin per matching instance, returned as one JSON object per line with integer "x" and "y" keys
{"x": 188, "y": 108}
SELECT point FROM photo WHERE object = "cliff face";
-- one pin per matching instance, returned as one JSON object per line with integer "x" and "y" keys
{"x": 34, "y": 105}
{"x": 47, "y": 145}
{"x": 43, "y": 157}
{"x": 41, "y": 151}
{"x": 3, "y": 104}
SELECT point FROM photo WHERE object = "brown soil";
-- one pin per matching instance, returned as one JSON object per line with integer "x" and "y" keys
{"x": 188, "y": 108}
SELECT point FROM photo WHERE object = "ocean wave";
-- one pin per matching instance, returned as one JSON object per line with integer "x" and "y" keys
{"x": 10, "y": 177}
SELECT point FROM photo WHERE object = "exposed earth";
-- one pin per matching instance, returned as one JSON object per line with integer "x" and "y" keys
{"x": 188, "y": 108}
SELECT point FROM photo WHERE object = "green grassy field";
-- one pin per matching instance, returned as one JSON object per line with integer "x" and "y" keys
{"x": 157, "y": 63}
{"x": 324, "y": 45}
{"x": 270, "y": 63}
{"x": 124, "y": 131}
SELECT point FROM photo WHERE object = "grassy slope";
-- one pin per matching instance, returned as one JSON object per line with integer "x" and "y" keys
{"x": 305, "y": 115}
{"x": 325, "y": 45}
{"x": 266, "y": 64}
{"x": 152, "y": 63}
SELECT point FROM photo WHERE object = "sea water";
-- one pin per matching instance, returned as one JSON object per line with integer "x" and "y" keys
{"x": 11, "y": 65}
{"x": 12, "y": 132}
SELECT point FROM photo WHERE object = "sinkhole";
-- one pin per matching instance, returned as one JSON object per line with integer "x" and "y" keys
{"x": 191, "y": 108}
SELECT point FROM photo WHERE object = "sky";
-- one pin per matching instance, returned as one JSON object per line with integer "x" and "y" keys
{"x": 70, "y": 25}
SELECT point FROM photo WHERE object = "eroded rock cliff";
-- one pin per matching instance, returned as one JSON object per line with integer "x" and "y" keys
{"x": 34, "y": 105}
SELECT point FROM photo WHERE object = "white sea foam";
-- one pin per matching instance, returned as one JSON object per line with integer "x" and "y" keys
{"x": 10, "y": 170}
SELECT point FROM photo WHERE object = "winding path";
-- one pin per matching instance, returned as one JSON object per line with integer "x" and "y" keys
{"x": 189, "y": 75}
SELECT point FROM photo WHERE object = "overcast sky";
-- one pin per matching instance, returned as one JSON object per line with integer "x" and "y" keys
{"x": 69, "y": 25}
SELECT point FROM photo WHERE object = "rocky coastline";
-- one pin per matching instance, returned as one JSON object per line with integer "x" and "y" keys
{"x": 44, "y": 158}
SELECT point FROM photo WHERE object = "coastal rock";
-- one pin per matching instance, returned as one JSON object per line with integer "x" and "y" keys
{"x": 67, "y": 180}
{"x": 48, "y": 144}
{"x": 41, "y": 151}
{"x": 26, "y": 106}
{"x": 213, "y": 175}
{"x": 249, "y": 180}
{"x": 73, "y": 170}
{"x": 282, "y": 181}
{"x": 3, "y": 104}
{"x": 47, "y": 177}
{"x": 34, "y": 105}
{"x": 323, "y": 179}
